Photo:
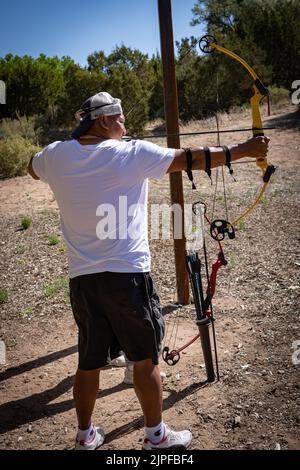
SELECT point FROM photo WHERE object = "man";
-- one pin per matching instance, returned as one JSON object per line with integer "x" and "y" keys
{"x": 113, "y": 298}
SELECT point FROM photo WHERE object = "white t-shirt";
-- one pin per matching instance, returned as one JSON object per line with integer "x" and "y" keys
{"x": 102, "y": 194}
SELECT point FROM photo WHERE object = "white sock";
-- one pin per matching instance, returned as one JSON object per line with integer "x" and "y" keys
{"x": 129, "y": 364}
{"x": 155, "y": 434}
{"x": 83, "y": 435}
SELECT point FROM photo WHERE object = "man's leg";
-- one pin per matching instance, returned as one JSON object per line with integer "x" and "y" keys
{"x": 85, "y": 391}
{"x": 148, "y": 388}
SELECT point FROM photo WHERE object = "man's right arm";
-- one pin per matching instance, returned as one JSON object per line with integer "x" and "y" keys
{"x": 31, "y": 171}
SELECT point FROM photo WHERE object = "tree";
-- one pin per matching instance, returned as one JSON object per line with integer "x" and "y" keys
{"x": 33, "y": 86}
{"x": 80, "y": 83}
{"x": 265, "y": 32}
{"x": 131, "y": 77}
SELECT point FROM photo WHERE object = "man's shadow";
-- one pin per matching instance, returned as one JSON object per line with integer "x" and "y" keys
{"x": 26, "y": 410}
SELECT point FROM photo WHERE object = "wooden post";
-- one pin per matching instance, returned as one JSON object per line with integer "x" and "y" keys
{"x": 172, "y": 125}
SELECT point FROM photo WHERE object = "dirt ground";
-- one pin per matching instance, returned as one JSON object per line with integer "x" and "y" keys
{"x": 256, "y": 403}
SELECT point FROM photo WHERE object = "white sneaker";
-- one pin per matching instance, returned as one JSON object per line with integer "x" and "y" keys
{"x": 171, "y": 439}
{"x": 118, "y": 362}
{"x": 128, "y": 376}
{"x": 95, "y": 440}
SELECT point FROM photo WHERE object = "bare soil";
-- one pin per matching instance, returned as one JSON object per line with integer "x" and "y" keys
{"x": 256, "y": 403}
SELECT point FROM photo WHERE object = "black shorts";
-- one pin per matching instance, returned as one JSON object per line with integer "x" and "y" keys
{"x": 113, "y": 312}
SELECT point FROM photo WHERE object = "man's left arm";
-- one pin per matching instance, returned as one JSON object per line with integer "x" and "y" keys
{"x": 253, "y": 148}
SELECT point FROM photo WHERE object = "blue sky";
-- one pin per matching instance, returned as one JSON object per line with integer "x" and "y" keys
{"x": 78, "y": 28}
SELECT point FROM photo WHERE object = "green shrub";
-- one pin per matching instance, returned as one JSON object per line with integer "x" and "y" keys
{"x": 3, "y": 295}
{"x": 279, "y": 95}
{"x": 15, "y": 153}
{"x": 55, "y": 287}
{"x": 241, "y": 224}
{"x": 26, "y": 222}
{"x": 20, "y": 250}
{"x": 27, "y": 312}
{"x": 23, "y": 126}
{"x": 53, "y": 240}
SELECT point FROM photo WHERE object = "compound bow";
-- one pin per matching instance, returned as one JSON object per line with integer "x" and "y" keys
{"x": 220, "y": 227}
